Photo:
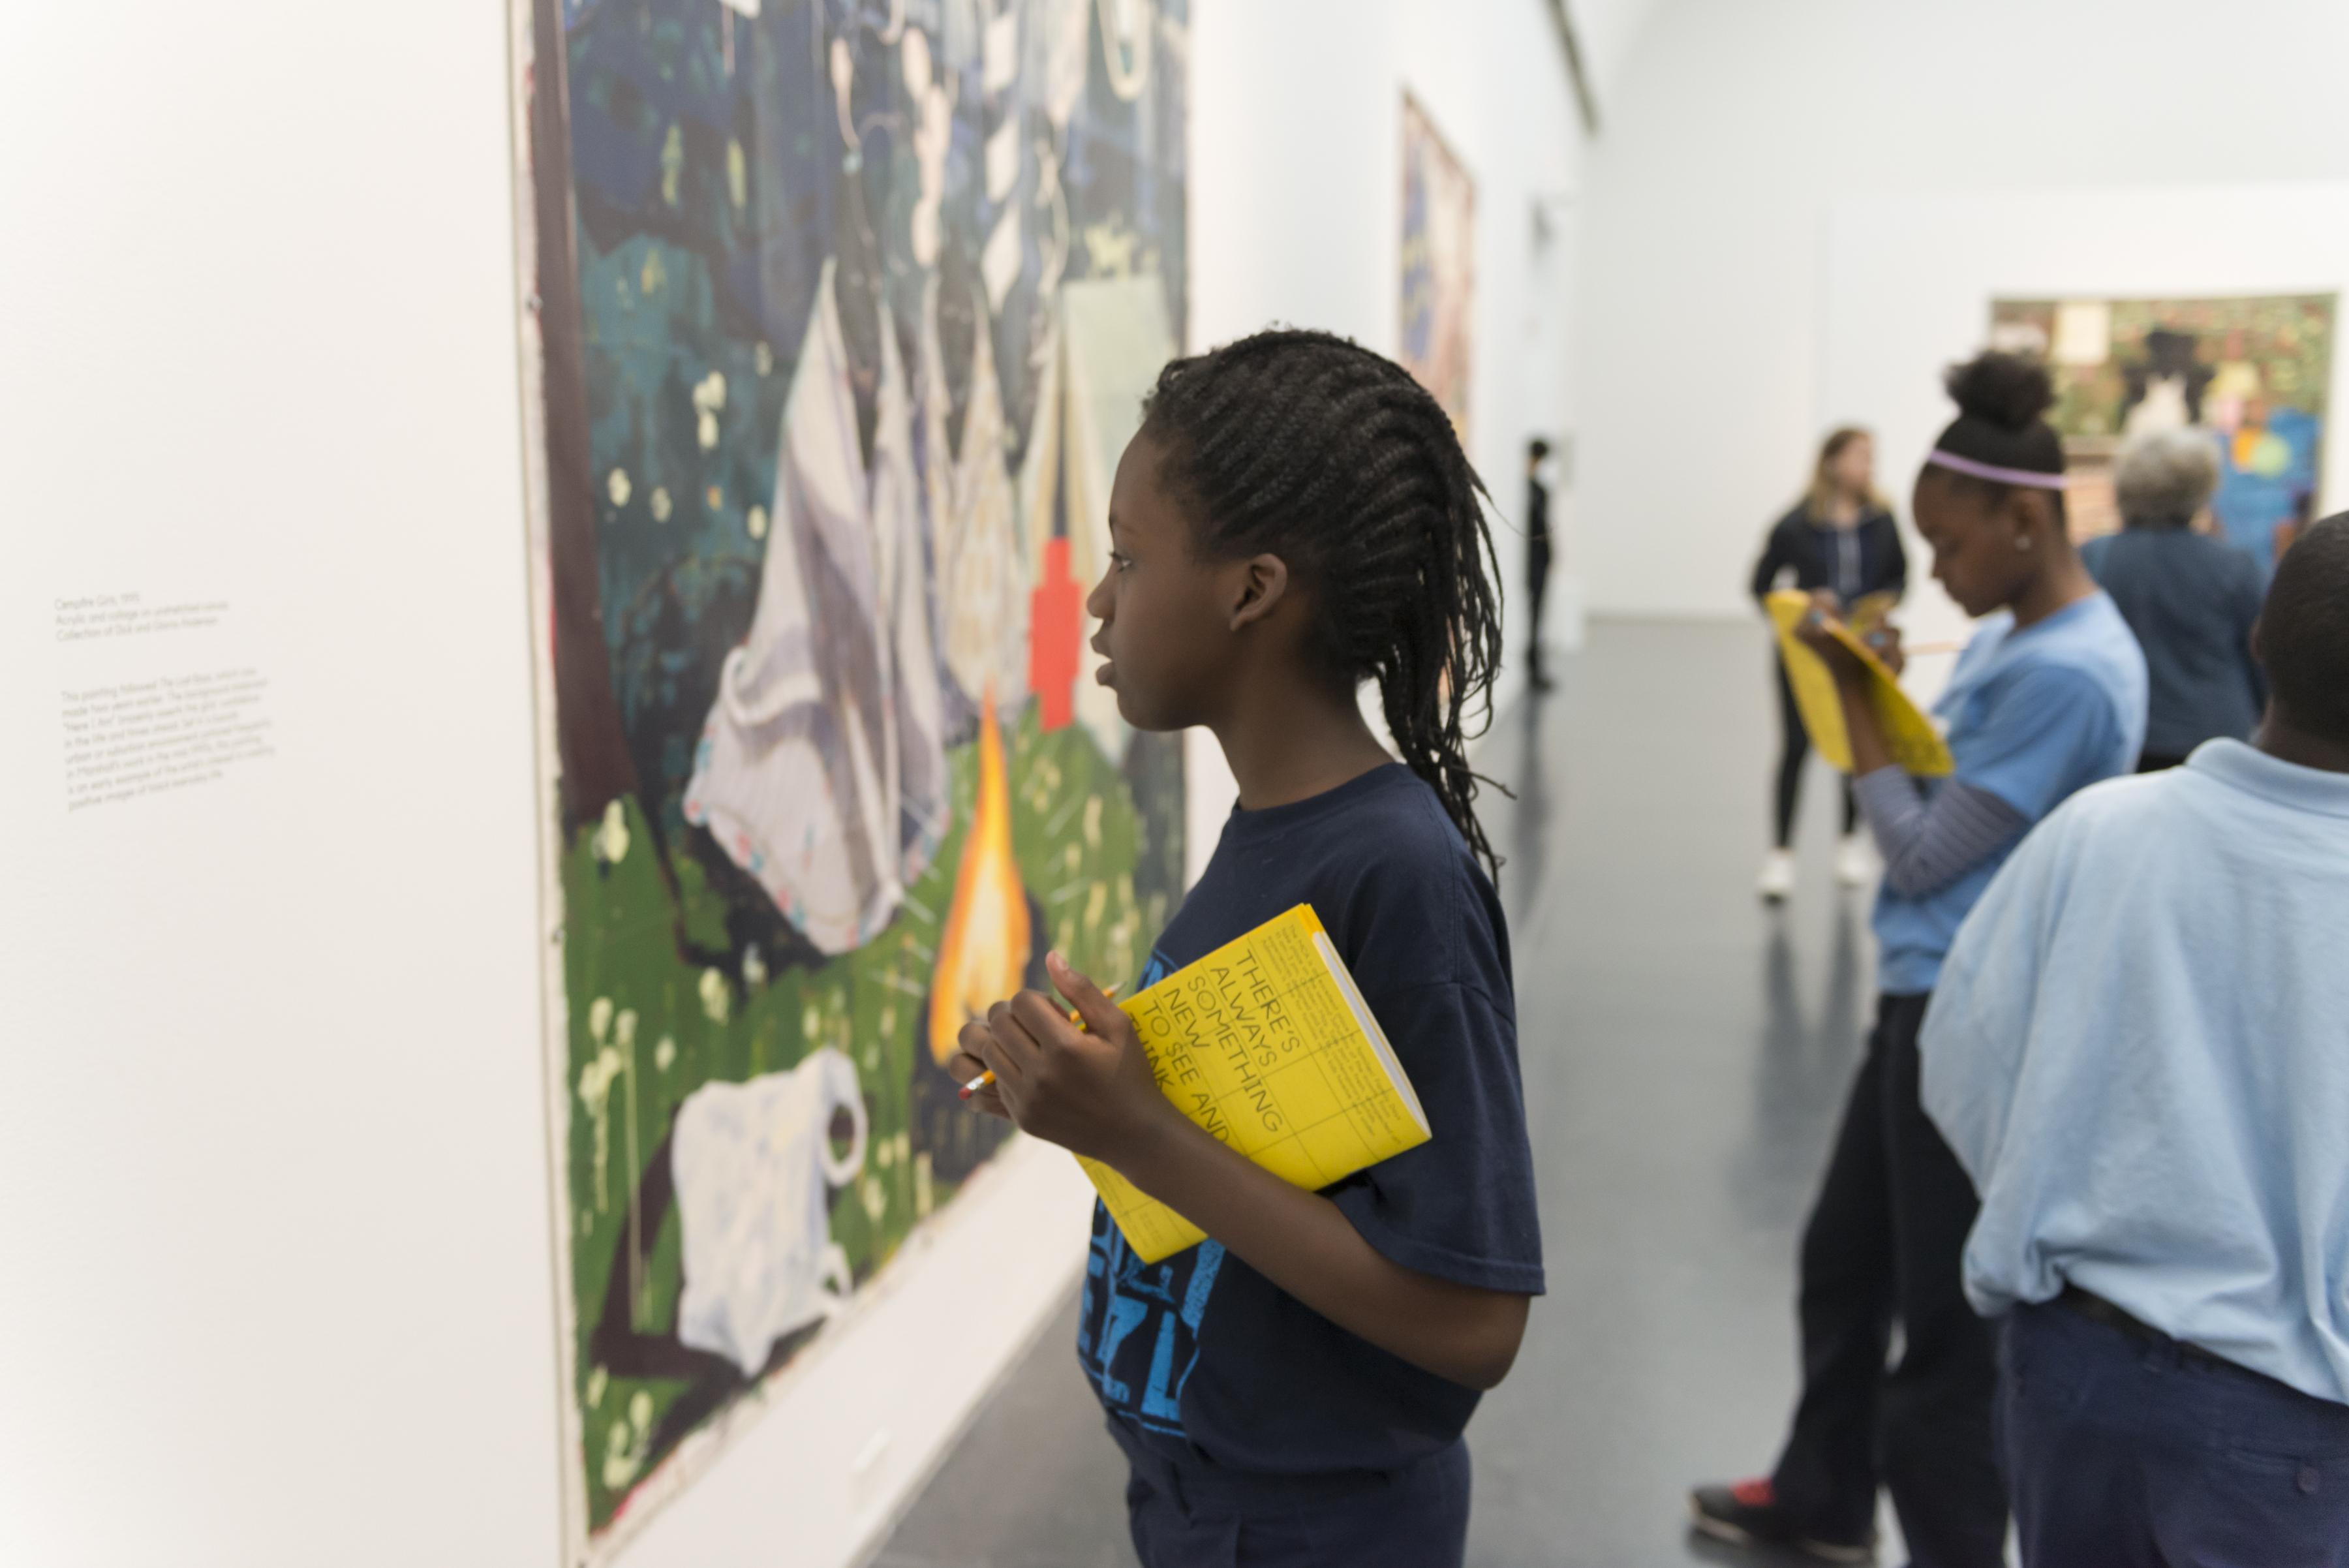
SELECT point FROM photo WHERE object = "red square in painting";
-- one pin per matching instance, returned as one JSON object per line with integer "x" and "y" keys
{"x": 1055, "y": 619}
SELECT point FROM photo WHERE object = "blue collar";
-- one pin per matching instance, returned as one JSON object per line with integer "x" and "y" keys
{"x": 2252, "y": 771}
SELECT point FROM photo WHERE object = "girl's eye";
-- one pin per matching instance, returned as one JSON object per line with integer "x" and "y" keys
{"x": 1122, "y": 561}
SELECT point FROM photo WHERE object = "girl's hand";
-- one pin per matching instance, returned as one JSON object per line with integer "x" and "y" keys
{"x": 1813, "y": 632}
{"x": 1090, "y": 1090}
{"x": 1885, "y": 643}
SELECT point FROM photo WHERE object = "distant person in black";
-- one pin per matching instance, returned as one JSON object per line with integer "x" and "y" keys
{"x": 1537, "y": 553}
{"x": 2191, "y": 599}
{"x": 1840, "y": 538}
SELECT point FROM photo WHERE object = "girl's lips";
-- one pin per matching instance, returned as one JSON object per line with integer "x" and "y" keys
{"x": 1106, "y": 674}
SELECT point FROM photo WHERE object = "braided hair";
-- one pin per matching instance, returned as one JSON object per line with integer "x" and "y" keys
{"x": 1312, "y": 448}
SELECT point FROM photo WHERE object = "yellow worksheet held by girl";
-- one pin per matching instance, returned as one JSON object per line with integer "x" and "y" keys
{"x": 1916, "y": 745}
{"x": 1267, "y": 1043}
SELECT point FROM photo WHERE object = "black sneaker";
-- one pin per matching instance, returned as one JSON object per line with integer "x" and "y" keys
{"x": 1748, "y": 1514}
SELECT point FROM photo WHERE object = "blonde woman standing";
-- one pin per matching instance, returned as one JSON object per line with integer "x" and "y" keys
{"x": 1840, "y": 539}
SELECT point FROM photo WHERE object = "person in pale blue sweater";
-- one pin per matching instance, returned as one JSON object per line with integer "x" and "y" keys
{"x": 2139, "y": 1051}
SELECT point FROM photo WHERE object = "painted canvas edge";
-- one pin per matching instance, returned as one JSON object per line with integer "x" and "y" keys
{"x": 521, "y": 16}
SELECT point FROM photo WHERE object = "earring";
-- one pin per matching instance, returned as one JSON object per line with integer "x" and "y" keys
{"x": 2022, "y": 541}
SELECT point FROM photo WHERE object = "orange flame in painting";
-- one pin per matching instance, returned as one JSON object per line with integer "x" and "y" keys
{"x": 983, "y": 955}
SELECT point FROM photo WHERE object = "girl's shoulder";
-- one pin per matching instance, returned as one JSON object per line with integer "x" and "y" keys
{"x": 1404, "y": 834}
{"x": 1411, "y": 904}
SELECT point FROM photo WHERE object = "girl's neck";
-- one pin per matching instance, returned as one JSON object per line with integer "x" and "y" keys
{"x": 2064, "y": 583}
{"x": 1286, "y": 743}
{"x": 1845, "y": 511}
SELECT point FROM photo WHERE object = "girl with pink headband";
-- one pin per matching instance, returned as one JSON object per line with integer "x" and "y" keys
{"x": 2048, "y": 698}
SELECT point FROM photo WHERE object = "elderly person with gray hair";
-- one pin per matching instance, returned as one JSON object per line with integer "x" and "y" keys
{"x": 2191, "y": 599}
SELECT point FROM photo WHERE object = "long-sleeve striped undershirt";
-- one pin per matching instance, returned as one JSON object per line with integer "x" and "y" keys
{"x": 1929, "y": 841}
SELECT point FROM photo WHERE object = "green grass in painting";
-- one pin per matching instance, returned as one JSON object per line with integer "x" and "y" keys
{"x": 646, "y": 1028}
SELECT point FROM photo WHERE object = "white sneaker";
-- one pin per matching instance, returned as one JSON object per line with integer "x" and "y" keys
{"x": 1855, "y": 862}
{"x": 1778, "y": 875}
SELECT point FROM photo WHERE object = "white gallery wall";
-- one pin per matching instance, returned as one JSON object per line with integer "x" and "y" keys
{"x": 1908, "y": 279}
{"x": 1733, "y": 129}
{"x": 1297, "y": 218}
{"x": 279, "y": 1287}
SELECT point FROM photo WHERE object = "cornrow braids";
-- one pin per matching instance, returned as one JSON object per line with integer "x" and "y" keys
{"x": 1311, "y": 446}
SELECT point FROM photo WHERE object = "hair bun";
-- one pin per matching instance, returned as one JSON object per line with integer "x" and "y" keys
{"x": 2004, "y": 390}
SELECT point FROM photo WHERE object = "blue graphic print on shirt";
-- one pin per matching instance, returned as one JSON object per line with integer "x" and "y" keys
{"x": 1145, "y": 1316}
{"x": 1269, "y": 1386}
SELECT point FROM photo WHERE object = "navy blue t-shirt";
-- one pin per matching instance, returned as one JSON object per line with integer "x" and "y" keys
{"x": 1201, "y": 1358}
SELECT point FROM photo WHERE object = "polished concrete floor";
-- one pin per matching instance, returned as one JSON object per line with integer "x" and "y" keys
{"x": 1685, "y": 1054}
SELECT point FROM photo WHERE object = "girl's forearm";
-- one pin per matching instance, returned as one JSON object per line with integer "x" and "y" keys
{"x": 1301, "y": 1242}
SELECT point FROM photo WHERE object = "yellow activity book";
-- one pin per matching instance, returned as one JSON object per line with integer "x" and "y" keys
{"x": 1916, "y": 745}
{"x": 1267, "y": 1043}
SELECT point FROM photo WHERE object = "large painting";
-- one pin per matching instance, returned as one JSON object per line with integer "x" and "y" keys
{"x": 840, "y": 314}
{"x": 2253, "y": 371}
{"x": 1439, "y": 265}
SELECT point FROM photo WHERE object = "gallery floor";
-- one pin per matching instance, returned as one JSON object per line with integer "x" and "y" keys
{"x": 1685, "y": 1055}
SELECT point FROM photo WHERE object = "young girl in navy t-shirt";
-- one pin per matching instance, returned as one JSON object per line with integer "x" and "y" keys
{"x": 1296, "y": 517}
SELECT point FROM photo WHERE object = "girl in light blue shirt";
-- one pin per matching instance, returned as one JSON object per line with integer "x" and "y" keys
{"x": 2049, "y": 698}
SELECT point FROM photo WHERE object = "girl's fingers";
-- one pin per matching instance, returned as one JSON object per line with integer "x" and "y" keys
{"x": 1044, "y": 1023}
{"x": 1093, "y": 1004}
{"x": 990, "y": 1100}
{"x": 963, "y": 1067}
{"x": 1011, "y": 1038}
{"x": 977, "y": 1043}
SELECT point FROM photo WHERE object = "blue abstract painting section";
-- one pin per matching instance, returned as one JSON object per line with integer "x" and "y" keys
{"x": 2273, "y": 486}
{"x": 1138, "y": 1332}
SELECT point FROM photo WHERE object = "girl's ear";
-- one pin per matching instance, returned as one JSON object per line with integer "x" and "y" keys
{"x": 2034, "y": 519}
{"x": 1260, "y": 583}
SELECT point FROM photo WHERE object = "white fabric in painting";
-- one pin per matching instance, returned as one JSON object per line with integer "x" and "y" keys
{"x": 935, "y": 456}
{"x": 753, "y": 1166}
{"x": 821, "y": 767}
{"x": 916, "y": 701}
{"x": 982, "y": 577}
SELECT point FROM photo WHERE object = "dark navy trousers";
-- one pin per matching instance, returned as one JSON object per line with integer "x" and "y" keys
{"x": 1193, "y": 1517}
{"x": 2125, "y": 1451}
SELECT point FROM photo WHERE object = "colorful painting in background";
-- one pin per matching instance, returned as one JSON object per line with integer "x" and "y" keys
{"x": 840, "y": 314}
{"x": 1439, "y": 265}
{"x": 2253, "y": 371}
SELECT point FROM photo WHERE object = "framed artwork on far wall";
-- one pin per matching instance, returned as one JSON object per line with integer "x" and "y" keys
{"x": 1438, "y": 294}
{"x": 2253, "y": 371}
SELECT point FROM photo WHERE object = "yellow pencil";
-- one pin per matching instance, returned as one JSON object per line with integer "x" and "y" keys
{"x": 988, "y": 1076}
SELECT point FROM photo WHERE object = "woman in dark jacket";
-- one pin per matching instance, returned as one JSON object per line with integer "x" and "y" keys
{"x": 1841, "y": 537}
{"x": 2191, "y": 599}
